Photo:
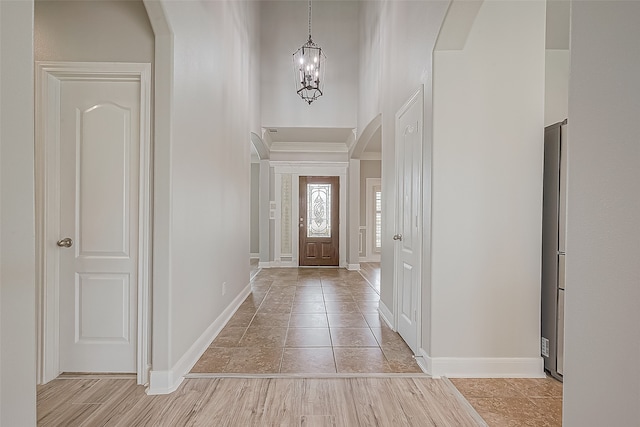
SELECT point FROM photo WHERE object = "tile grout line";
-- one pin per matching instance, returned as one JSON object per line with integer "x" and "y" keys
{"x": 326, "y": 315}
{"x": 286, "y": 334}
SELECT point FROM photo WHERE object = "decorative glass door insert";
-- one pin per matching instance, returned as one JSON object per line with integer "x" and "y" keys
{"x": 318, "y": 210}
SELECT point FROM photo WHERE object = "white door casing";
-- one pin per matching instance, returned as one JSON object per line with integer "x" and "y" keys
{"x": 408, "y": 244}
{"x": 297, "y": 169}
{"x": 92, "y": 153}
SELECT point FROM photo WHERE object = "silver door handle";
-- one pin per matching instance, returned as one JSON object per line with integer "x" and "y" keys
{"x": 65, "y": 243}
{"x": 397, "y": 237}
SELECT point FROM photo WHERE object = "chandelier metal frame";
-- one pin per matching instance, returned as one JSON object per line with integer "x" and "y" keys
{"x": 309, "y": 64}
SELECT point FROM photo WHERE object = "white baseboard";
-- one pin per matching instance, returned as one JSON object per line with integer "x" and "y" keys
{"x": 386, "y": 314}
{"x": 294, "y": 264}
{"x": 165, "y": 382}
{"x": 369, "y": 258}
{"x": 254, "y": 274}
{"x": 254, "y": 256}
{"x": 483, "y": 367}
{"x": 422, "y": 363}
{"x": 278, "y": 264}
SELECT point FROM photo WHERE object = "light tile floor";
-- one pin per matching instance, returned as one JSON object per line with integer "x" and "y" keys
{"x": 308, "y": 321}
{"x": 324, "y": 321}
{"x": 510, "y": 402}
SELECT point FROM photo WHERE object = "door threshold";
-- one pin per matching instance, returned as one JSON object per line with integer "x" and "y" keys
{"x": 320, "y": 266}
{"x": 310, "y": 375}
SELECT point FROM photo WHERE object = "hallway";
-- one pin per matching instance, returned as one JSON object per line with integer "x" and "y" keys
{"x": 308, "y": 321}
{"x": 297, "y": 327}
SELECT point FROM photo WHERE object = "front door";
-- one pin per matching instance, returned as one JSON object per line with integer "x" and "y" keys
{"x": 99, "y": 133}
{"x": 319, "y": 220}
{"x": 408, "y": 224}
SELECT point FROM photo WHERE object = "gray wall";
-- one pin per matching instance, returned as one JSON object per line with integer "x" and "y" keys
{"x": 93, "y": 31}
{"x": 17, "y": 222}
{"x": 254, "y": 245}
{"x": 602, "y": 352}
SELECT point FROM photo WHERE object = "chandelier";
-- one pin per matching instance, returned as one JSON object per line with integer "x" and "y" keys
{"x": 309, "y": 68}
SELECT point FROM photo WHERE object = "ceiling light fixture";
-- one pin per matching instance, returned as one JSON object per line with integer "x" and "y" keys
{"x": 309, "y": 68}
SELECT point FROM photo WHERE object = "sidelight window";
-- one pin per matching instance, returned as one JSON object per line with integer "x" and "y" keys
{"x": 377, "y": 192}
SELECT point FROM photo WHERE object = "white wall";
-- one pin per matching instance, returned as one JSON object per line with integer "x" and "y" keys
{"x": 106, "y": 30}
{"x": 602, "y": 373}
{"x": 204, "y": 170}
{"x": 397, "y": 40}
{"x": 370, "y": 62}
{"x": 17, "y": 222}
{"x": 284, "y": 28}
{"x": 255, "y": 69}
{"x": 556, "y": 86}
{"x": 488, "y": 122}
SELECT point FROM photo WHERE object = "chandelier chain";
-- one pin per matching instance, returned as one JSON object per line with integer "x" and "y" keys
{"x": 309, "y": 19}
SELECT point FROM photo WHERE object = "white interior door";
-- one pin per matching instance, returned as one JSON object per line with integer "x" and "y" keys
{"x": 99, "y": 134}
{"x": 408, "y": 220}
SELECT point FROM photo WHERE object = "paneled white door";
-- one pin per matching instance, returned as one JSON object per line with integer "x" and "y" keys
{"x": 99, "y": 131}
{"x": 409, "y": 131}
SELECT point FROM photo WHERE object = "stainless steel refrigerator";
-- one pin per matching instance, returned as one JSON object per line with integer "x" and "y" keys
{"x": 553, "y": 248}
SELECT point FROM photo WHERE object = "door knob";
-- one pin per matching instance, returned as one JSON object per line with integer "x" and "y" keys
{"x": 65, "y": 243}
{"x": 397, "y": 237}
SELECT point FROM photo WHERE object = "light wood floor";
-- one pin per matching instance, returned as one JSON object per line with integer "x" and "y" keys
{"x": 244, "y": 402}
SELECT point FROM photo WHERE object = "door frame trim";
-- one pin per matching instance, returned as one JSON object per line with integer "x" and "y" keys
{"x": 297, "y": 169}
{"x": 417, "y": 96}
{"x": 48, "y": 75}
